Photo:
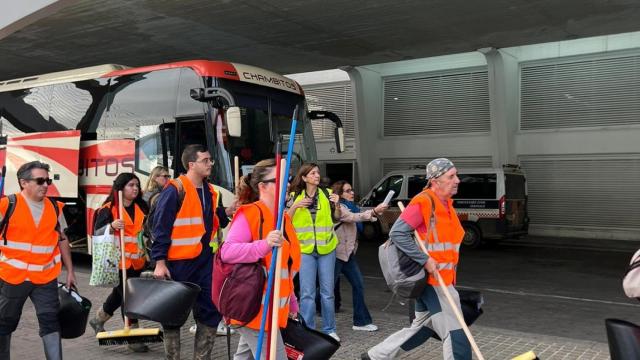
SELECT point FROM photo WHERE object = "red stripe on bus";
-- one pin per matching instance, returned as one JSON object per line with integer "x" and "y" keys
{"x": 97, "y": 189}
{"x": 219, "y": 69}
{"x": 65, "y": 157}
{"x": 51, "y": 135}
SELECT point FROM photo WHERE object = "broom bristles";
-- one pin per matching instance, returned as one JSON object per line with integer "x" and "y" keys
{"x": 130, "y": 336}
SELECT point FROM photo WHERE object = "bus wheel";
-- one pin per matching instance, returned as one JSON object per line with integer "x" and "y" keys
{"x": 371, "y": 232}
{"x": 472, "y": 236}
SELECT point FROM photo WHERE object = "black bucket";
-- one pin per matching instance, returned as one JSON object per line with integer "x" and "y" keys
{"x": 73, "y": 313}
{"x": 164, "y": 301}
{"x": 307, "y": 343}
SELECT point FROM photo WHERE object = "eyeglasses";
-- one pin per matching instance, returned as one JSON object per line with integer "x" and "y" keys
{"x": 349, "y": 191}
{"x": 41, "y": 180}
{"x": 205, "y": 161}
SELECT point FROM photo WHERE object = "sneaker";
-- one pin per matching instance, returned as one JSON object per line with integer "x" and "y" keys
{"x": 369, "y": 327}
{"x": 193, "y": 329}
{"x": 222, "y": 330}
{"x": 335, "y": 336}
{"x": 365, "y": 356}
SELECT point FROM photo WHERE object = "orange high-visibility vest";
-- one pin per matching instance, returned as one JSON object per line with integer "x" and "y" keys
{"x": 290, "y": 252}
{"x": 133, "y": 255}
{"x": 446, "y": 248}
{"x": 188, "y": 227}
{"x": 31, "y": 252}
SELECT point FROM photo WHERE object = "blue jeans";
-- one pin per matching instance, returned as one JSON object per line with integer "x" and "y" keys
{"x": 323, "y": 266}
{"x": 351, "y": 271}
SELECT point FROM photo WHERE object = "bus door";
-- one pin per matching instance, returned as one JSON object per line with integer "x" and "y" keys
{"x": 59, "y": 149}
{"x": 191, "y": 130}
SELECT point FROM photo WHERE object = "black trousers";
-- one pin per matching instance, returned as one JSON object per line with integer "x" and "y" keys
{"x": 44, "y": 298}
{"x": 114, "y": 300}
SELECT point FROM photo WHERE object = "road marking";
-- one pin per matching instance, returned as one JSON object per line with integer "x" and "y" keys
{"x": 524, "y": 293}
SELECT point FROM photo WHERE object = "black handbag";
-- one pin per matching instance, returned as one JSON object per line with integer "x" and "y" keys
{"x": 301, "y": 342}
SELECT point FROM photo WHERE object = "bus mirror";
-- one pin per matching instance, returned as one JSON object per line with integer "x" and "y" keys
{"x": 339, "y": 139}
{"x": 234, "y": 121}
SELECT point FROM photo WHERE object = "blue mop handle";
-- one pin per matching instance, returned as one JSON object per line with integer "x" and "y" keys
{"x": 274, "y": 251}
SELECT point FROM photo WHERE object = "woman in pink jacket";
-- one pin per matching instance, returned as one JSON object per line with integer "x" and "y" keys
{"x": 347, "y": 233}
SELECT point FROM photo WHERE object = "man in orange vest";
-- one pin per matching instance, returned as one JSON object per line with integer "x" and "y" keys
{"x": 32, "y": 248}
{"x": 182, "y": 244}
{"x": 443, "y": 236}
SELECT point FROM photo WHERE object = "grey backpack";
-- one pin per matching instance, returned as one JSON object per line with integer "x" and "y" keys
{"x": 405, "y": 277}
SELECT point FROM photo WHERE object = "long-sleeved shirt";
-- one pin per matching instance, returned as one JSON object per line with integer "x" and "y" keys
{"x": 239, "y": 247}
{"x": 347, "y": 233}
{"x": 402, "y": 233}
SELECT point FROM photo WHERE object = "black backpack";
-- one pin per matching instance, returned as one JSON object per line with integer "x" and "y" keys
{"x": 4, "y": 224}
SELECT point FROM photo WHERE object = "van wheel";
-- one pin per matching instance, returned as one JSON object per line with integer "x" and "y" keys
{"x": 371, "y": 232}
{"x": 472, "y": 236}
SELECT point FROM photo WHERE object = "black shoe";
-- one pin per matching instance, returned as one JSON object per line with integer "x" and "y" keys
{"x": 365, "y": 356}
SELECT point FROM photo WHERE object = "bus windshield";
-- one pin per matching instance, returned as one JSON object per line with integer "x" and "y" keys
{"x": 266, "y": 116}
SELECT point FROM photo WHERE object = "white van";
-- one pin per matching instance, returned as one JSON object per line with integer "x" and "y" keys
{"x": 491, "y": 202}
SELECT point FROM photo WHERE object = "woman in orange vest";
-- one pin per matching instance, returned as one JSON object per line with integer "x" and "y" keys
{"x": 245, "y": 245}
{"x": 131, "y": 223}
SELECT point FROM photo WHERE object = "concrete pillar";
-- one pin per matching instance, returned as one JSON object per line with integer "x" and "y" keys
{"x": 367, "y": 85}
{"x": 18, "y": 14}
{"x": 503, "y": 104}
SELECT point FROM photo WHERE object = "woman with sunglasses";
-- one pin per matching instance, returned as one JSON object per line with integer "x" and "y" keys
{"x": 157, "y": 180}
{"x": 251, "y": 238}
{"x": 131, "y": 223}
{"x": 314, "y": 210}
{"x": 347, "y": 230}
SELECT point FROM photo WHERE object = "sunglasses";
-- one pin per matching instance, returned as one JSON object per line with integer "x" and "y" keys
{"x": 41, "y": 180}
{"x": 165, "y": 176}
{"x": 266, "y": 181}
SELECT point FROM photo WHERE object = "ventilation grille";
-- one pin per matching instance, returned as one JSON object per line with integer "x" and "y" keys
{"x": 337, "y": 99}
{"x": 445, "y": 104}
{"x": 592, "y": 93}
{"x": 411, "y": 163}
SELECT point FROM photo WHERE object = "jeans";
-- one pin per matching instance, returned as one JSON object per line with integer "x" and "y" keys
{"x": 323, "y": 266}
{"x": 351, "y": 271}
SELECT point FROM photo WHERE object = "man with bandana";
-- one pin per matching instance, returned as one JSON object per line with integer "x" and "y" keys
{"x": 442, "y": 235}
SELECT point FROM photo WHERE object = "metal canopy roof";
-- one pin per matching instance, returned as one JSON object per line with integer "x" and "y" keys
{"x": 294, "y": 36}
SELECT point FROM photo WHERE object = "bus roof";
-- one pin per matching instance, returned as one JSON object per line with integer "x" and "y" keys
{"x": 220, "y": 69}
{"x": 85, "y": 73}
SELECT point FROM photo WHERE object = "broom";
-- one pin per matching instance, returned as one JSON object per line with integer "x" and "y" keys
{"x": 526, "y": 356}
{"x": 127, "y": 335}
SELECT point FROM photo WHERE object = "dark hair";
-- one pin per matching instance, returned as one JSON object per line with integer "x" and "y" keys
{"x": 338, "y": 186}
{"x": 24, "y": 172}
{"x": 190, "y": 154}
{"x": 298, "y": 185}
{"x": 248, "y": 190}
{"x": 119, "y": 183}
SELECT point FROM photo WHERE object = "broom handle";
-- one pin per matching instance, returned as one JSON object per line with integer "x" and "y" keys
{"x": 275, "y": 307}
{"x": 447, "y": 295}
{"x": 122, "y": 259}
{"x": 236, "y": 175}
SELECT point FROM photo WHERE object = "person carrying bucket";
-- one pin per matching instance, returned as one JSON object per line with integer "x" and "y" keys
{"x": 432, "y": 310}
{"x": 188, "y": 218}
{"x": 251, "y": 239}
{"x": 33, "y": 248}
{"x": 135, "y": 209}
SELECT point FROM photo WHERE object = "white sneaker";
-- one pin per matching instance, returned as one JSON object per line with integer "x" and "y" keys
{"x": 369, "y": 327}
{"x": 193, "y": 329}
{"x": 335, "y": 336}
{"x": 222, "y": 330}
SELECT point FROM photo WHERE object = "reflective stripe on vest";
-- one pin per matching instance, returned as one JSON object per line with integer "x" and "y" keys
{"x": 316, "y": 233}
{"x": 30, "y": 267}
{"x": 188, "y": 226}
{"x": 31, "y": 252}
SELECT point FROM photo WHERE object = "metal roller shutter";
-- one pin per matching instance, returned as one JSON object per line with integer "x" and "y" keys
{"x": 586, "y": 93}
{"x": 598, "y": 192}
{"x": 337, "y": 98}
{"x": 411, "y": 163}
{"x": 443, "y": 104}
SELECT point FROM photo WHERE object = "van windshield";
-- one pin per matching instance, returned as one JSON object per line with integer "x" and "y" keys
{"x": 476, "y": 186}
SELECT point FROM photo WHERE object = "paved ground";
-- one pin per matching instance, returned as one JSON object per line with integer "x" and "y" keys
{"x": 539, "y": 296}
